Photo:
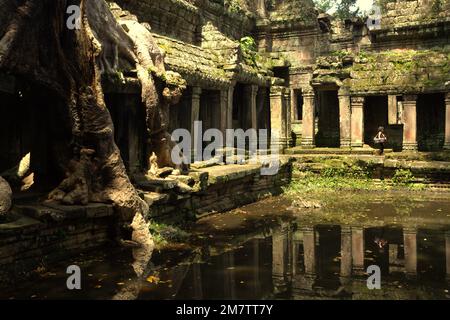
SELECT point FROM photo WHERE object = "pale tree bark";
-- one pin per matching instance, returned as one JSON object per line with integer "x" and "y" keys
{"x": 35, "y": 43}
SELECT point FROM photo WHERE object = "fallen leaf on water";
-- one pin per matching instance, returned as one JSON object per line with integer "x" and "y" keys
{"x": 152, "y": 279}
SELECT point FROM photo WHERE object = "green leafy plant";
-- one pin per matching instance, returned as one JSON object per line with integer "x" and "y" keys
{"x": 403, "y": 177}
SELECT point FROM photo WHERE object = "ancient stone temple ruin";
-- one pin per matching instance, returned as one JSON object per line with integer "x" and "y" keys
{"x": 281, "y": 65}
{"x": 317, "y": 80}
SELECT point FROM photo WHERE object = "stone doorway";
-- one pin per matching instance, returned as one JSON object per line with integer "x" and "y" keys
{"x": 128, "y": 116}
{"x": 328, "y": 133}
{"x": 430, "y": 121}
{"x": 375, "y": 116}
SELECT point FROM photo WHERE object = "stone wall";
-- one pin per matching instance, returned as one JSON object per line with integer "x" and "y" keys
{"x": 409, "y": 12}
{"x": 37, "y": 235}
{"x": 222, "y": 188}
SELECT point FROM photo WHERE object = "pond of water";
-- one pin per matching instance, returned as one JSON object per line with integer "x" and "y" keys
{"x": 274, "y": 250}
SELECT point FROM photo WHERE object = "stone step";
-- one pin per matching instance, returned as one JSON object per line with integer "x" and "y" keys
{"x": 333, "y": 151}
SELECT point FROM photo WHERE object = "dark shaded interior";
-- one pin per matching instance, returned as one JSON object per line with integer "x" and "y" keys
{"x": 128, "y": 116}
{"x": 430, "y": 121}
{"x": 34, "y": 120}
{"x": 328, "y": 134}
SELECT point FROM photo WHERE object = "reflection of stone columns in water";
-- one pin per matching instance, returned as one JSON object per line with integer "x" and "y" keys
{"x": 297, "y": 238}
{"x": 279, "y": 250}
{"x": 346, "y": 251}
{"x": 309, "y": 249}
{"x": 358, "y": 249}
{"x": 395, "y": 264}
{"x": 447, "y": 254}
{"x": 229, "y": 280}
{"x": 410, "y": 247}
{"x": 197, "y": 277}
{"x": 256, "y": 270}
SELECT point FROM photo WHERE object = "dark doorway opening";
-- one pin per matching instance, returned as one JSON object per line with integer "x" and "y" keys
{"x": 375, "y": 116}
{"x": 376, "y": 110}
{"x": 34, "y": 125}
{"x": 299, "y": 111}
{"x": 328, "y": 134}
{"x": 128, "y": 116}
{"x": 239, "y": 110}
{"x": 430, "y": 121}
{"x": 180, "y": 114}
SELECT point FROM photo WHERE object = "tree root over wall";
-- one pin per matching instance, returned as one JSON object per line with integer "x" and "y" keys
{"x": 36, "y": 43}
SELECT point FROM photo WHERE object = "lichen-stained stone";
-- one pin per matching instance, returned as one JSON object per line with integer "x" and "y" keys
{"x": 5, "y": 196}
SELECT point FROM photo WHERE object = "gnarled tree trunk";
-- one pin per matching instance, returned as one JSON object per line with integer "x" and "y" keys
{"x": 36, "y": 43}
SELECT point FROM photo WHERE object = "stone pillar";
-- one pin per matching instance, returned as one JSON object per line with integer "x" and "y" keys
{"x": 294, "y": 105}
{"x": 278, "y": 118}
{"x": 410, "y": 247}
{"x": 447, "y": 122}
{"x": 308, "y": 125}
{"x": 358, "y": 249}
{"x": 287, "y": 108}
{"x": 195, "y": 114}
{"x": 346, "y": 251}
{"x": 410, "y": 123}
{"x": 357, "y": 122}
{"x": 392, "y": 109}
{"x": 223, "y": 111}
{"x": 344, "y": 118}
{"x": 251, "y": 92}
{"x": 230, "y": 101}
{"x": 309, "y": 249}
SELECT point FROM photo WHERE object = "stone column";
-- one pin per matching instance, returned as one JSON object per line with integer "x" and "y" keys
{"x": 410, "y": 123}
{"x": 294, "y": 105}
{"x": 223, "y": 111}
{"x": 346, "y": 251}
{"x": 278, "y": 118}
{"x": 308, "y": 125}
{"x": 358, "y": 249}
{"x": 252, "y": 120}
{"x": 357, "y": 122}
{"x": 447, "y": 122}
{"x": 287, "y": 108}
{"x": 230, "y": 101}
{"x": 392, "y": 109}
{"x": 195, "y": 116}
{"x": 410, "y": 247}
{"x": 344, "y": 118}
{"x": 309, "y": 249}
{"x": 195, "y": 106}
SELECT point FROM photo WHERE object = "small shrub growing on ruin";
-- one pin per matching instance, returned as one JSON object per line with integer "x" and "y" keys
{"x": 403, "y": 177}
